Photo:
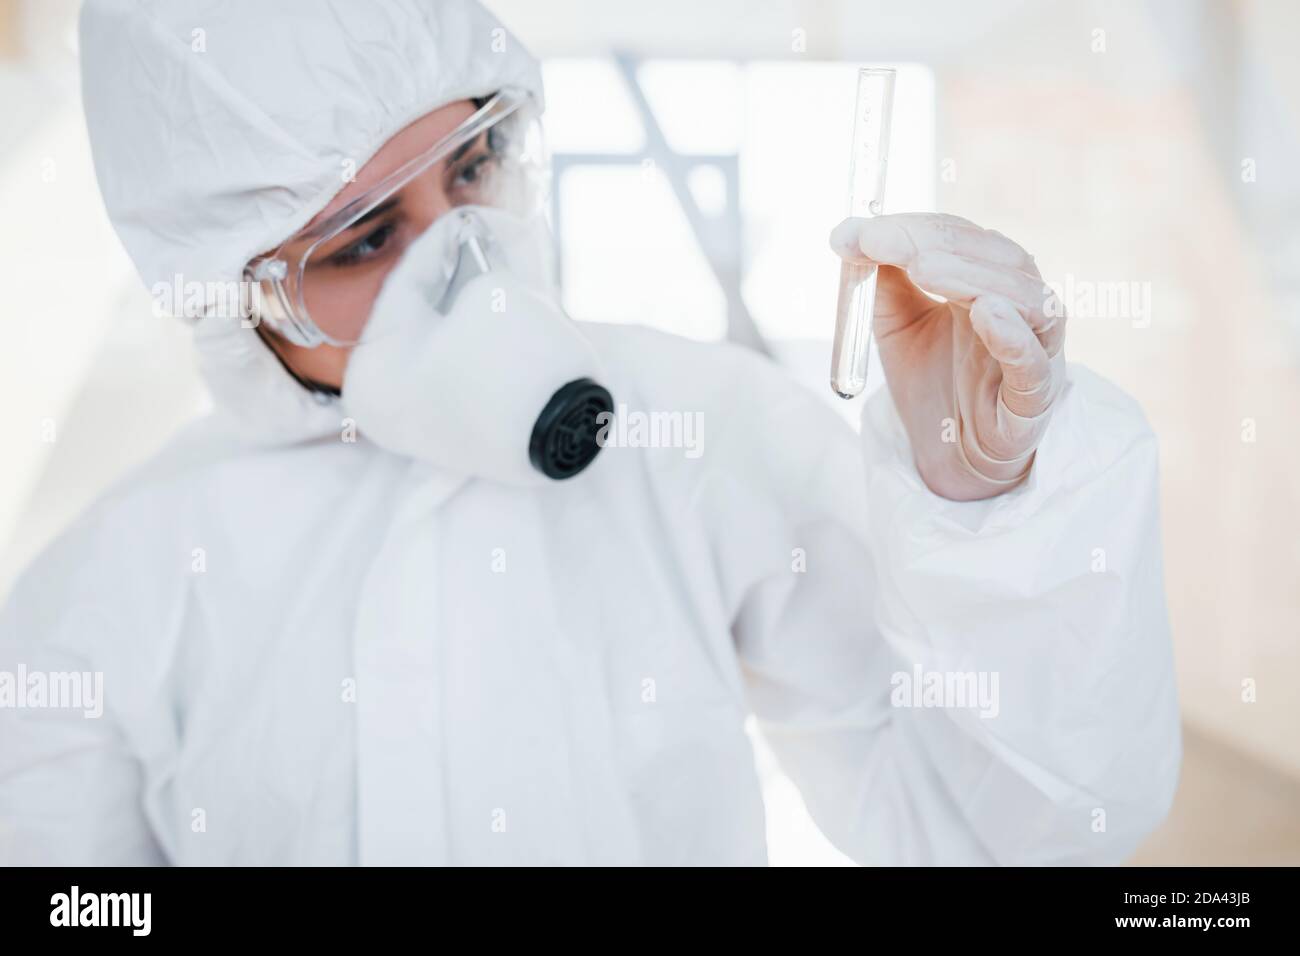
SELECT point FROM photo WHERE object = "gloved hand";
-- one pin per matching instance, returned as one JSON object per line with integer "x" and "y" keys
{"x": 974, "y": 378}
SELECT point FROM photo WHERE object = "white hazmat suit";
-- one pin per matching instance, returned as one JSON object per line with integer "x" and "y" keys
{"x": 316, "y": 651}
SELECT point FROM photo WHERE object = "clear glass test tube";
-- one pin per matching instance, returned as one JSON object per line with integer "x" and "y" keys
{"x": 857, "y": 295}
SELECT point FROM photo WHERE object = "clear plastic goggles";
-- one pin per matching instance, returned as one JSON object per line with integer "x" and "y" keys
{"x": 320, "y": 285}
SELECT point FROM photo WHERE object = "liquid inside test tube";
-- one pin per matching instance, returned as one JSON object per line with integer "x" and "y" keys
{"x": 855, "y": 305}
{"x": 853, "y": 314}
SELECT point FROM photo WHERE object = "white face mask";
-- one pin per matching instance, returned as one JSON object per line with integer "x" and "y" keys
{"x": 469, "y": 363}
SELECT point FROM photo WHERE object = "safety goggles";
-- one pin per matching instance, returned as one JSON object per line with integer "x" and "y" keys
{"x": 319, "y": 286}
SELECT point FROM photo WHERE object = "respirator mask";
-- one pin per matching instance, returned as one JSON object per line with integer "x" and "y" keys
{"x": 460, "y": 354}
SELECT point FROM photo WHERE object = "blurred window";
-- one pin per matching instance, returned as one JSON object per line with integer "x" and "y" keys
{"x": 688, "y": 188}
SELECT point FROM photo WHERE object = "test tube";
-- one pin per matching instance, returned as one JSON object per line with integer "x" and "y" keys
{"x": 857, "y": 296}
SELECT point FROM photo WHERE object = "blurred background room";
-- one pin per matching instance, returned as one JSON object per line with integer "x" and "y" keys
{"x": 1147, "y": 152}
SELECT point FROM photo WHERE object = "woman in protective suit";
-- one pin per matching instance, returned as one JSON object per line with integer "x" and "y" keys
{"x": 401, "y": 599}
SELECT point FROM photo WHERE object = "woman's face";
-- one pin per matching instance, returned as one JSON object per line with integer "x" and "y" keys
{"x": 357, "y": 261}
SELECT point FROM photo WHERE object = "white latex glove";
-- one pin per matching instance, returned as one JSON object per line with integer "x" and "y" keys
{"x": 975, "y": 377}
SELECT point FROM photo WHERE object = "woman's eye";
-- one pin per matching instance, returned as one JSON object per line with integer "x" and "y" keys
{"x": 365, "y": 248}
{"x": 471, "y": 172}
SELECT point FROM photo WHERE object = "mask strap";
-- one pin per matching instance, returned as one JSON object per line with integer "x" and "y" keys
{"x": 322, "y": 393}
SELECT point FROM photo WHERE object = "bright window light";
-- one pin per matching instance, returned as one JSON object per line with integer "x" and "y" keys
{"x": 630, "y": 251}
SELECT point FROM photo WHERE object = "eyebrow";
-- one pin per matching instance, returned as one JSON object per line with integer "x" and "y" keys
{"x": 379, "y": 210}
{"x": 389, "y": 204}
{"x": 465, "y": 147}
{"x": 462, "y": 149}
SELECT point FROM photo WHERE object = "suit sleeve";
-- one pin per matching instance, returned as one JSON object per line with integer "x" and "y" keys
{"x": 959, "y": 682}
{"x": 70, "y": 784}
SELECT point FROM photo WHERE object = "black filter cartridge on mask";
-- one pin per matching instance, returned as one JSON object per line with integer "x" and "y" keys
{"x": 566, "y": 436}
